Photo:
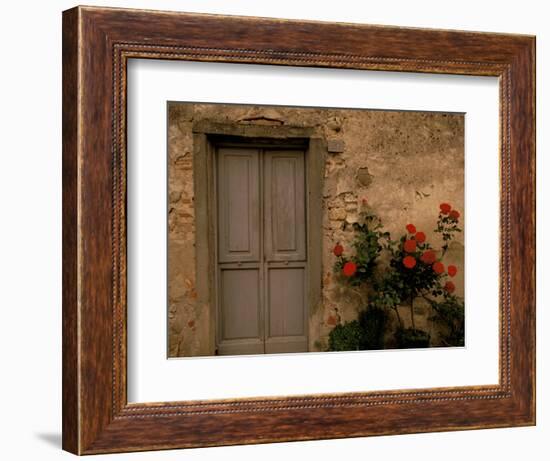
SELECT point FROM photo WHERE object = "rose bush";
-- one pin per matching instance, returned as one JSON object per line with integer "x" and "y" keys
{"x": 414, "y": 270}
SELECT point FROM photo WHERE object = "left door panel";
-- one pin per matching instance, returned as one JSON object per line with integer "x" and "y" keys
{"x": 240, "y": 326}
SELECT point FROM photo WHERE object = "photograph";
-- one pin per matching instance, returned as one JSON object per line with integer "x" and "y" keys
{"x": 320, "y": 229}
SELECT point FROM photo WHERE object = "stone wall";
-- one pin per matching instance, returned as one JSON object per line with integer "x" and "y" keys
{"x": 401, "y": 164}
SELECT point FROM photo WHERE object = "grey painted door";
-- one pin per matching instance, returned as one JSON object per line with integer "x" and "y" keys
{"x": 262, "y": 261}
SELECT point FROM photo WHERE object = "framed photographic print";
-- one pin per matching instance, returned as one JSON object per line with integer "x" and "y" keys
{"x": 281, "y": 230}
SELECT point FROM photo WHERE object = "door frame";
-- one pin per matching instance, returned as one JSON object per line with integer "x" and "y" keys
{"x": 206, "y": 136}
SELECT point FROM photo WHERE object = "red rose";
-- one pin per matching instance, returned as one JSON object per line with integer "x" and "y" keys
{"x": 420, "y": 237}
{"x": 411, "y": 229}
{"x": 338, "y": 250}
{"x": 428, "y": 257}
{"x": 454, "y": 215}
{"x": 438, "y": 267}
{"x": 409, "y": 262}
{"x": 349, "y": 269}
{"x": 409, "y": 246}
{"x": 452, "y": 270}
{"x": 445, "y": 208}
{"x": 449, "y": 287}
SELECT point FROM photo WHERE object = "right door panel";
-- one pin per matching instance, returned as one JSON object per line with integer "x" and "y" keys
{"x": 285, "y": 250}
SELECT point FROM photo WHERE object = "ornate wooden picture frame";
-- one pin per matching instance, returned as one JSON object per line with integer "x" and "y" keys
{"x": 97, "y": 44}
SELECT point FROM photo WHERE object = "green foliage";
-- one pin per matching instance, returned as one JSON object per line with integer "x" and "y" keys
{"x": 346, "y": 337}
{"x": 388, "y": 291}
{"x": 373, "y": 321}
{"x": 450, "y": 314}
{"x": 368, "y": 244}
{"x": 410, "y": 338}
{"x": 447, "y": 227}
{"x": 364, "y": 334}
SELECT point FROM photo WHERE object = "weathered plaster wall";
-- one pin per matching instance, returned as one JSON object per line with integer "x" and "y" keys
{"x": 404, "y": 164}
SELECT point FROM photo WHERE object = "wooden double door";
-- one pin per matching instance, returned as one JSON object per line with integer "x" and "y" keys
{"x": 261, "y": 250}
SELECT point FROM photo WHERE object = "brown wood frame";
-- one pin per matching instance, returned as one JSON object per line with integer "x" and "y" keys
{"x": 97, "y": 42}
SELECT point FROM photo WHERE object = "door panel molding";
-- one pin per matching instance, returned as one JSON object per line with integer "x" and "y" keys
{"x": 286, "y": 287}
{"x": 284, "y": 196}
{"x": 239, "y": 307}
{"x": 238, "y": 204}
